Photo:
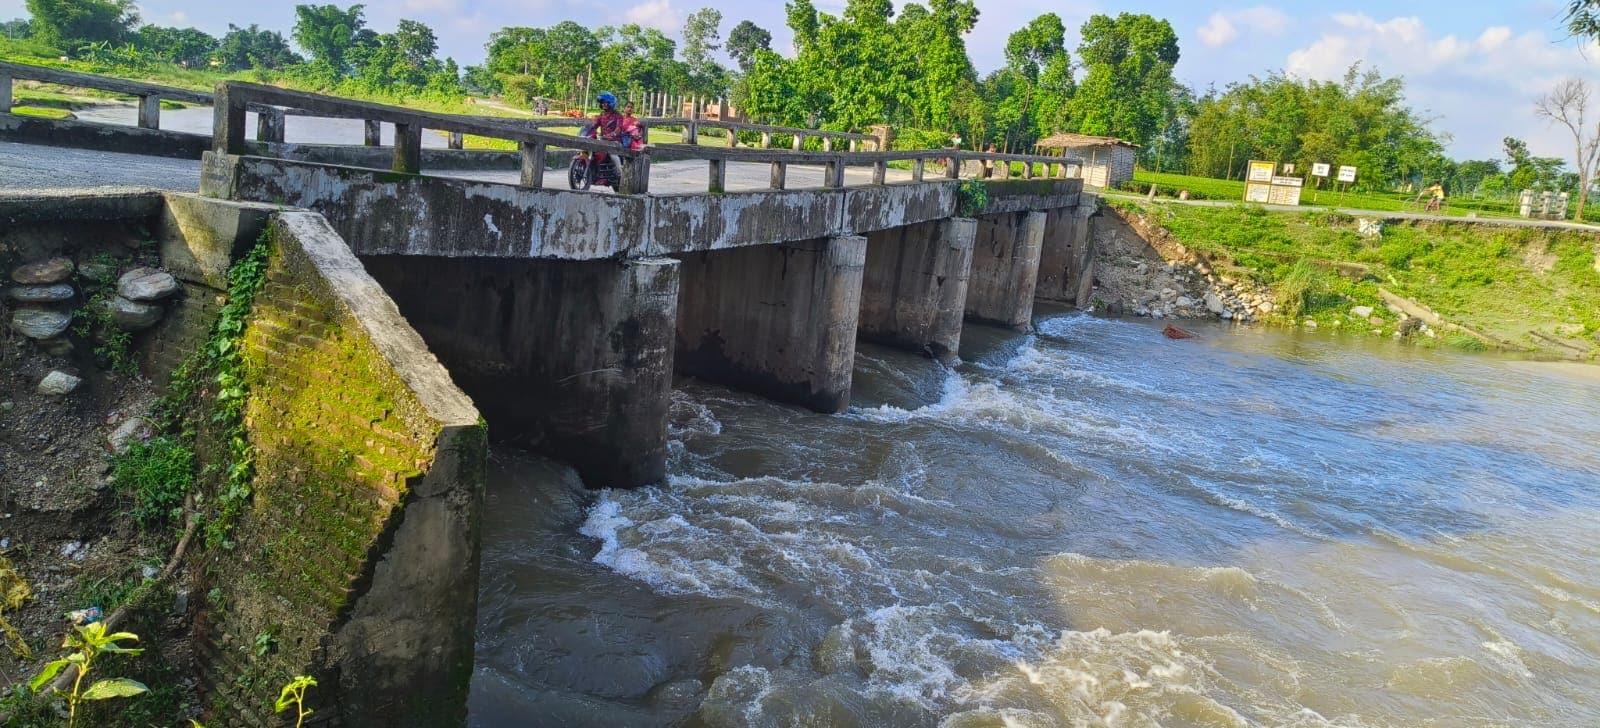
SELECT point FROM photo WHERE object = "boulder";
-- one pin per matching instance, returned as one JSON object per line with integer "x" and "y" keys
{"x": 131, "y": 430}
{"x": 133, "y": 315}
{"x": 146, "y": 284}
{"x": 1214, "y": 303}
{"x": 1361, "y": 312}
{"x": 1184, "y": 302}
{"x": 42, "y": 294}
{"x": 54, "y": 270}
{"x": 40, "y": 323}
{"x": 59, "y": 383}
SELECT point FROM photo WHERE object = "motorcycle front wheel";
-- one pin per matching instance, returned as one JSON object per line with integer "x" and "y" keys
{"x": 578, "y": 174}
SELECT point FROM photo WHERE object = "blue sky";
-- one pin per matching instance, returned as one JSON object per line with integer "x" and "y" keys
{"x": 1475, "y": 66}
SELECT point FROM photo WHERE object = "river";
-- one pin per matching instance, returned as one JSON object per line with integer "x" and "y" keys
{"x": 1092, "y": 525}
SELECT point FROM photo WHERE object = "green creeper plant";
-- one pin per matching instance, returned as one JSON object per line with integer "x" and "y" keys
{"x": 294, "y": 694}
{"x": 89, "y": 642}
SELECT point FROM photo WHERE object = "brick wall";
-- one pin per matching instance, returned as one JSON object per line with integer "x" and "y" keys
{"x": 357, "y": 560}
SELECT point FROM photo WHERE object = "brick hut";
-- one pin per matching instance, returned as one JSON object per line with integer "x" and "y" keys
{"x": 1106, "y": 160}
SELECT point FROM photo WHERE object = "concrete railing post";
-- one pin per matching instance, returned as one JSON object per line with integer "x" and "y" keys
{"x": 733, "y": 137}
{"x": 952, "y": 169}
{"x": 766, "y": 140}
{"x": 691, "y": 133}
{"x": 833, "y": 174}
{"x": 457, "y": 140}
{"x": 827, "y": 143}
{"x": 5, "y": 93}
{"x": 719, "y": 177}
{"x": 149, "y": 112}
{"x": 372, "y": 133}
{"x": 407, "y": 148}
{"x": 880, "y": 172}
{"x": 635, "y": 176}
{"x": 799, "y": 142}
{"x": 227, "y": 121}
{"x": 780, "y": 171}
{"x": 855, "y": 145}
{"x": 270, "y": 125}
{"x": 532, "y": 163}
{"x": 917, "y": 166}
{"x": 1027, "y": 170}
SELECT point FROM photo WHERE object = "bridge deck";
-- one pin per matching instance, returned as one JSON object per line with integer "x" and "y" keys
{"x": 27, "y": 166}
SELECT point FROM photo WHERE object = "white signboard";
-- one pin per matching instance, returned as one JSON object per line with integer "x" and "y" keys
{"x": 1288, "y": 168}
{"x": 1287, "y": 182}
{"x": 1319, "y": 169}
{"x": 1347, "y": 174}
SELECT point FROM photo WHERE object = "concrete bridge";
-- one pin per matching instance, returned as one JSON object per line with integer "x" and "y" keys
{"x": 565, "y": 314}
{"x": 562, "y": 315}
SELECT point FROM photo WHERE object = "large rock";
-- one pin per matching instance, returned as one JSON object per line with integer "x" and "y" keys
{"x": 133, "y": 315}
{"x": 1214, "y": 303}
{"x": 54, "y": 270}
{"x": 40, "y": 323}
{"x": 42, "y": 294}
{"x": 146, "y": 284}
{"x": 1361, "y": 312}
{"x": 97, "y": 270}
{"x": 59, "y": 383}
{"x": 134, "y": 429}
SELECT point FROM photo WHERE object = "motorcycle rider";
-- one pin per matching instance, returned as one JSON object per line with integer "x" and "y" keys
{"x": 609, "y": 123}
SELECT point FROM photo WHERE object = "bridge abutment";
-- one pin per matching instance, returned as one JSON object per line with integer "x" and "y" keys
{"x": 1066, "y": 258}
{"x": 914, "y": 287}
{"x": 1005, "y": 268}
{"x": 573, "y": 358}
{"x": 776, "y": 320}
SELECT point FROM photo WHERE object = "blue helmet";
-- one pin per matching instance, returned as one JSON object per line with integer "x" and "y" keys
{"x": 607, "y": 98}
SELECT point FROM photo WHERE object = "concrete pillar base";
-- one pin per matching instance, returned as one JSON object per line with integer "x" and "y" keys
{"x": 573, "y": 359}
{"x": 776, "y": 320}
{"x": 914, "y": 288}
{"x": 1005, "y": 269}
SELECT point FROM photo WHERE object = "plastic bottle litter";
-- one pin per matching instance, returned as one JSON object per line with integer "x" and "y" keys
{"x": 87, "y": 615}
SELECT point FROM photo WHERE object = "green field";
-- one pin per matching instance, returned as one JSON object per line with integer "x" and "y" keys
{"x": 1506, "y": 281}
{"x": 1206, "y": 188}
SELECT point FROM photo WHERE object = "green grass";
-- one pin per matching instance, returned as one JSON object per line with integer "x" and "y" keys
{"x": 45, "y": 113}
{"x": 1504, "y": 281}
{"x": 1206, "y": 188}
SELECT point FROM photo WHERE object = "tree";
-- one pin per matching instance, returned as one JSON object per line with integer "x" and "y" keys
{"x": 416, "y": 42}
{"x": 189, "y": 47}
{"x": 1127, "y": 90}
{"x": 701, "y": 38}
{"x": 801, "y": 17}
{"x": 1583, "y": 19}
{"x": 1568, "y": 104}
{"x": 252, "y": 47}
{"x": 329, "y": 34}
{"x": 61, "y": 22}
{"x": 743, "y": 42}
{"x": 17, "y": 28}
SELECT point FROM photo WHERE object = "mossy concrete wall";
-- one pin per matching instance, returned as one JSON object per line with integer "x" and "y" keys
{"x": 357, "y": 561}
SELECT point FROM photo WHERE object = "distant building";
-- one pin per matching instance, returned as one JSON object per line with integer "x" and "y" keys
{"x": 1106, "y": 160}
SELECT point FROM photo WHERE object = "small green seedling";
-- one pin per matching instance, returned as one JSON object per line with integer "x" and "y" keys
{"x": 295, "y": 694}
{"x": 89, "y": 642}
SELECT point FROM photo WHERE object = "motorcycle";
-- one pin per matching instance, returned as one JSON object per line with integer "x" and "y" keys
{"x": 597, "y": 168}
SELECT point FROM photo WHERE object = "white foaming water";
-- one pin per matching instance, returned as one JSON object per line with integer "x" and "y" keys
{"x": 1133, "y": 594}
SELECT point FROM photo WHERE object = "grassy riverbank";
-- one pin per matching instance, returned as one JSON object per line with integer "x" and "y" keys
{"x": 1534, "y": 288}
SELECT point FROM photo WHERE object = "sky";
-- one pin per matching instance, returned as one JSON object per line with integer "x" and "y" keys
{"x": 1474, "y": 66}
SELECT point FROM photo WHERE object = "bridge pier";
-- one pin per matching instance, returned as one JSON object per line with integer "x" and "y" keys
{"x": 1066, "y": 259}
{"x": 776, "y": 320}
{"x": 1005, "y": 268}
{"x": 573, "y": 358}
{"x": 914, "y": 286}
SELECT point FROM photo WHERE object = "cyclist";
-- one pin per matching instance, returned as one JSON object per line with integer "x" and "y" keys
{"x": 1435, "y": 197}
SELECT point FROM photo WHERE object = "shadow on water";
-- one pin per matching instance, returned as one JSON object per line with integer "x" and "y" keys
{"x": 1089, "y": 523}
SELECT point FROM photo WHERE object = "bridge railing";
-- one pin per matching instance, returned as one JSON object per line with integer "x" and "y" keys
{"x": 691, "y": 132}
{"x": 834, "y": 164}
{"x": 233, "y": 98}
{"x": 150, "y": 95}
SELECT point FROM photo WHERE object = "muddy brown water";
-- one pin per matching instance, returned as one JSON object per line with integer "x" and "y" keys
{"x": 1090, "y": 526}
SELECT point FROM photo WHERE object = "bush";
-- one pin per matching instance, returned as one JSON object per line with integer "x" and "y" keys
{"x": 157, "y": 474}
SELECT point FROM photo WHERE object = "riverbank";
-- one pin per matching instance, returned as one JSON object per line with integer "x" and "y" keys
{"x": 1474, "y": 285}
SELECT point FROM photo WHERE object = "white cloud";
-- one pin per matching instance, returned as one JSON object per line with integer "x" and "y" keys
{"x": 179, "y": 17}
{"x": 658, "y": 14}
{"x": 1480, "y": 88}
{"x": 1225, "y": 27}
